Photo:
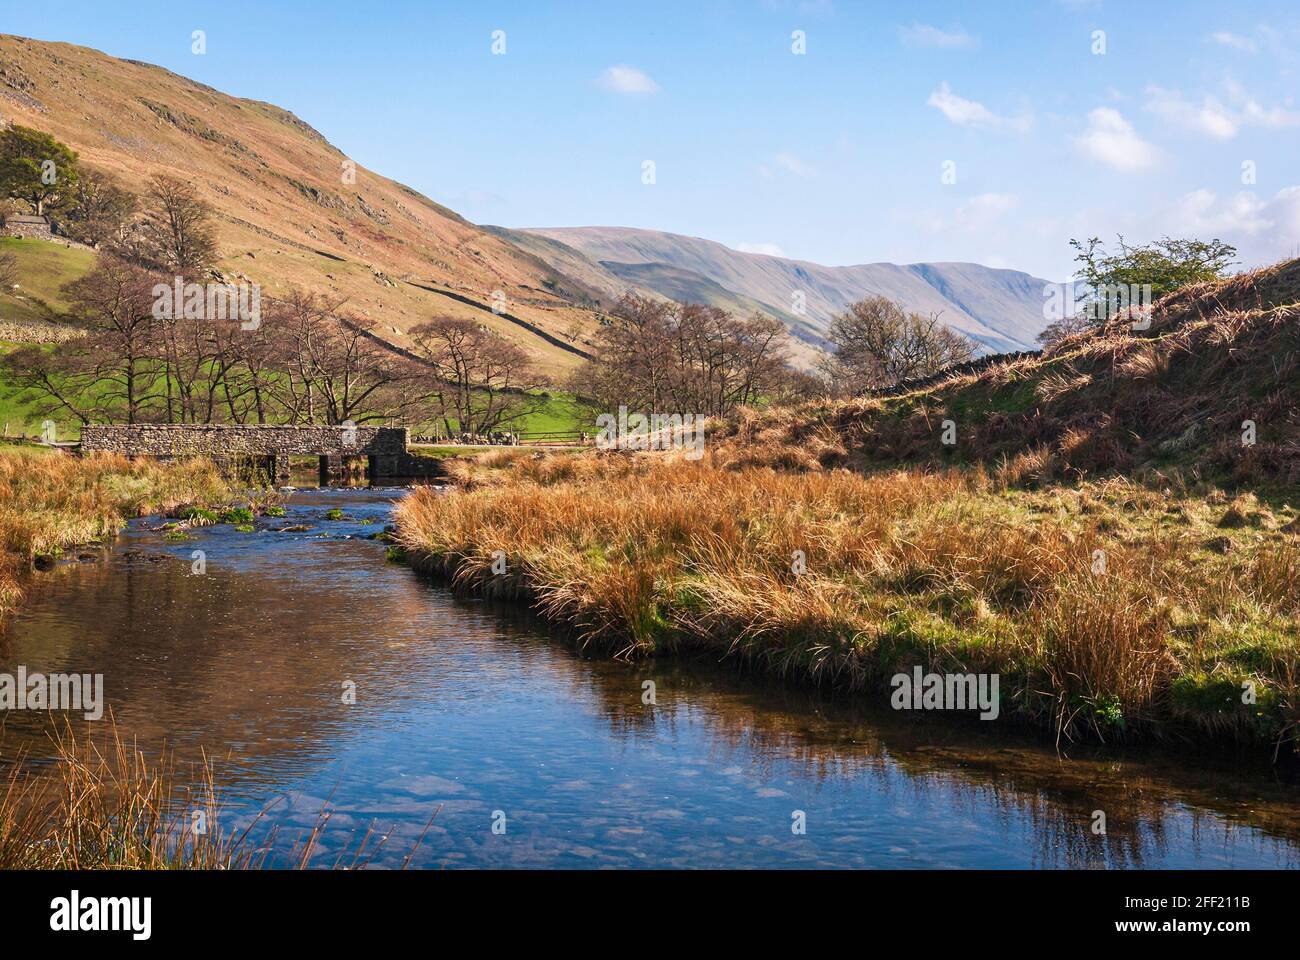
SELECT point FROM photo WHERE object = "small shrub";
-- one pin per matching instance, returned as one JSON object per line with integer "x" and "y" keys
{"x": 198, "y": 517}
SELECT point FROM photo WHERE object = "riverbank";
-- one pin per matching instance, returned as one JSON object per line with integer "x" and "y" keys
{"x": 1109, "y": 609}
{"x": 51, "y": 502}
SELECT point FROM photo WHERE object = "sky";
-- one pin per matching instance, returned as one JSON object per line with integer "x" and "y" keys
{"x": 826, "y": 130}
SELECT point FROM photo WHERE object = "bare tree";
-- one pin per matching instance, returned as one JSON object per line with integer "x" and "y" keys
{"x": 798, "y": 386}
{"x": 1064, "y": 328}
{"x": 633, "y": 364}
{"x": 658, "y": 356}
{"x": 55, "y": 382}
{"x": 178, "y": 230}
{"x": 878, "y": 344}
{"x": 120, "y": 362}
{"x": 473, "y": 378}
{"x": 8, "y": 270}
{"x": 333, "y": 369}
{"x": 245, "y": 364}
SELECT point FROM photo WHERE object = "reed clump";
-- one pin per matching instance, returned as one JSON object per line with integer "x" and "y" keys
{"x": 108, "y": 808}
{"x": 101, "y": 804}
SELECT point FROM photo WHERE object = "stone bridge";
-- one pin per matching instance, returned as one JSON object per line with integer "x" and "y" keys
{"x": 267, "y": 448}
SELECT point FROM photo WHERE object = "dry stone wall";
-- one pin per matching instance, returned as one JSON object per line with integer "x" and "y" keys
{"x": 254, "y": 440}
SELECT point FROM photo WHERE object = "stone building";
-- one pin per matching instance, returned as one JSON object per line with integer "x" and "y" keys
{"x": 24, "y": 225}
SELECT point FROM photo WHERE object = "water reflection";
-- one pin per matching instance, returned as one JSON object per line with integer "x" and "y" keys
{"x": 478, "y": 715}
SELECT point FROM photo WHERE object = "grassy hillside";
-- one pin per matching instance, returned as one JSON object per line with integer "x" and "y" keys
{"x": 288, "y": 214}
{"x": 1216, "y": 356}
{"x": 44, "y": 267}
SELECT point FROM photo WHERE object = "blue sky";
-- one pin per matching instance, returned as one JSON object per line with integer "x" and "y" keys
{"x": 835, "y": 155}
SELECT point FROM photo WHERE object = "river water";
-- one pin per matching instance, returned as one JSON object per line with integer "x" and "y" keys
{"x": 526, "y": 754}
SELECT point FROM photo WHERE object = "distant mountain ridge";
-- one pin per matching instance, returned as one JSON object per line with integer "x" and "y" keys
{"x": 1002, "y": 310}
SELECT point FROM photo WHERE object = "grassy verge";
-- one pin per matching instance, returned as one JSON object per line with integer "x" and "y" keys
{"x": 1211, "y": 386}
{"x": 50, "y": 502}
{"x": 1107, "y": 608}
{"x": 557, "y": 412}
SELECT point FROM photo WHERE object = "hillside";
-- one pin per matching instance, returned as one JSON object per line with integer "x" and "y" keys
{"x": 1211, "y": 388}
{"x": 286, "y": 214}
{"x": 1000, "y": 309}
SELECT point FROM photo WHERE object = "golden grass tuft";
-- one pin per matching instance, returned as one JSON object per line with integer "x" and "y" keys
{"x": 109, "y": 809}
{"x": 1104, "y": 642}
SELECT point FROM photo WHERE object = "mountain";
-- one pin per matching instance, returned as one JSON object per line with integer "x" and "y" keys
{"x": 288, "y": 209}
{"x": 1000, "y": 309}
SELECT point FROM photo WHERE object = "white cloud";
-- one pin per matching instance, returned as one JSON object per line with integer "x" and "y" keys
{"x": 1225, "y": 39}
{"x": 790, "y": 163}
{"x": 1272, "y": 117}
{"x": 1213, "y": 118}
{"x": 977, "y": 216}
{"x": 1263, "y": 228}
{"x": 924, "y": 35}
{"x": 793, "y": 164}
{"x": 1244, "y": 214}
{"x": 625, "y": 79}
{"x": 767, "y": 249}
{"x": 969, "y": 113}
{"x": 982, "y": 210}
{"x": 1110, "y": 139}
{"x": 1209, "y": 117}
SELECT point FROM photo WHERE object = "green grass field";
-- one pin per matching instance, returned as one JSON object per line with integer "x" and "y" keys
{"x": 17, "y": 417}
{"x": 44, "y": 268}
{"x": 561, "y": 413}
